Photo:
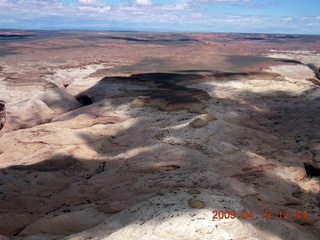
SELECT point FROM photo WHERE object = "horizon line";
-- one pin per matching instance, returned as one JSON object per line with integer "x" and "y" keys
{"x": 150, "y": 31}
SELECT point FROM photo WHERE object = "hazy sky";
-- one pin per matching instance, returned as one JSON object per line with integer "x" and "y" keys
{"x": 271, "y": 16}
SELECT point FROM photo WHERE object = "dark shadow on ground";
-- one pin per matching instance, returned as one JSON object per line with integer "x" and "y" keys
{"x": 14, "y": 36}
{"x": 145, "y": 38}
{"x": 154, "y": 41}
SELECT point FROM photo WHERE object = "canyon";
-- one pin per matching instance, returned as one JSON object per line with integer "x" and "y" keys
{"x": 142, "y": 135}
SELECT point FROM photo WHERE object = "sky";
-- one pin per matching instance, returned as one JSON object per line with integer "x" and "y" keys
{"x": 246, "y": 16}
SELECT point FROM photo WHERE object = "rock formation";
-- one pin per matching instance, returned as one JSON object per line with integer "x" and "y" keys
{"x": 204, "y": 149}
{"x": 2, "y": 114}
{"x": 84, "y": 100}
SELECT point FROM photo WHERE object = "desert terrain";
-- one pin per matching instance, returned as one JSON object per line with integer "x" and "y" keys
{"x": 142, "y": 135}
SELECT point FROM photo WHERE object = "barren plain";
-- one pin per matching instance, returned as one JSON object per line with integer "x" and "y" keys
{"x": 138, "y": 135}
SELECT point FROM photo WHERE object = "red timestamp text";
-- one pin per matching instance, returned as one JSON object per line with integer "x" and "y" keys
{"x": 231, "y": 214}
{"x": 264, "y": 214}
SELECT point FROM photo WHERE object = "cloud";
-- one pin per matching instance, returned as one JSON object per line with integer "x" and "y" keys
{"x": 181, "y": 15}
{"x": 179, "y": 6}
{"x": 93, "y": 6}
{"x": 87, "y": 2}
{"x": 7, "y": 21}
{"x": 215, "y": 1}
{"x": 256, "y": 5}
{"x": 144, "y": 2}
{"x": 287, "y": 19}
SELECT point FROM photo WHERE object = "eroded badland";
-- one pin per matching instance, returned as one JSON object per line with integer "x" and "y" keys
{"x": 128, "y": 135}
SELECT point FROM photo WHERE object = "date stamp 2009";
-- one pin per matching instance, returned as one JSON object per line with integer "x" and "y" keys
{"x": 265, "y": 214}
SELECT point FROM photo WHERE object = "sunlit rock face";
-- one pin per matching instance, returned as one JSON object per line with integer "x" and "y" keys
{"x": 159, "y": 139}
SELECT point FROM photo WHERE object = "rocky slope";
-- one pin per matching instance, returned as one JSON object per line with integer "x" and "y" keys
{"x": 156, "y": 153}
